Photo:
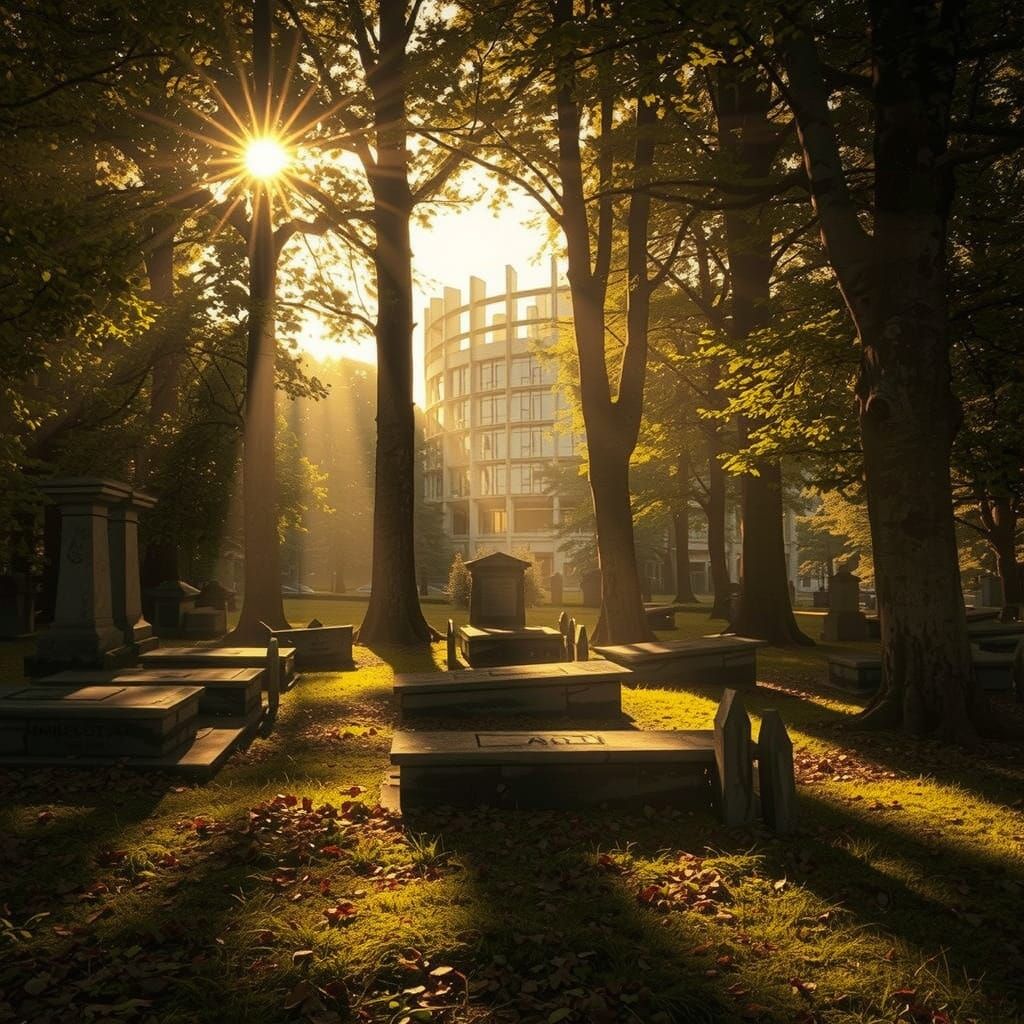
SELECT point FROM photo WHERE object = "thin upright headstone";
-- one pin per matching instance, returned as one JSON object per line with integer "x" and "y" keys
{"x": 452, "y": 654}
{"x": 735, "y": 776}
{"x": 775, "y": 774}
{"x": 563, "y": 623}
{"x": 273, "y": 674}
{"x": 570, "y": 645}
{"x": 582, "y": 644}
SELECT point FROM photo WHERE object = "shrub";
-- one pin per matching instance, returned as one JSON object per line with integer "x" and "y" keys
{"x": 459, "y": 582}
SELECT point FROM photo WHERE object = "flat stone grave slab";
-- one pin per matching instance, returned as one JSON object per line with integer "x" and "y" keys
{"x": 551, "y": 769}
{"x": 999, "y": 644}
{"x": 490, "y": 647}
{"x": 855, "y": 673}
{"x": 862, "y": 673}
{"x": 662, "y": 616}
{"x": 105, "y": 721}
{"x": 725, "y": 660}
{"x": 234, "y": 692}
{"x": 986, "y": 630}
{"x": 568, "y": 687}
{"x": 318, "y": 647}
{"x": 221, "y": 657}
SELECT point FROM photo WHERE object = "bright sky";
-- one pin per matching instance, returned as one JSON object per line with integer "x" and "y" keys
{"x": 459, "y": 241}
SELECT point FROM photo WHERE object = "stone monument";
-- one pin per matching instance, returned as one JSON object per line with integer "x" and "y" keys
{"x": 845, "y": 620}
{"x": 98, "y": 619}
{"x": 590, "y": 588}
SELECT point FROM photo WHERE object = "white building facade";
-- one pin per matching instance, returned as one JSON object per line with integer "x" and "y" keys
{"x": 495, "y": 425}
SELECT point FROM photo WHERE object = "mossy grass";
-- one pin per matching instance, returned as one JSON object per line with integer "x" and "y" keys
{"x": 128, "y": 897}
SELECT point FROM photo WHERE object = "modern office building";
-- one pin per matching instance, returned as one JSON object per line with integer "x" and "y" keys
{"x": 494, "y": 425}
{"x": 493, "y": 418}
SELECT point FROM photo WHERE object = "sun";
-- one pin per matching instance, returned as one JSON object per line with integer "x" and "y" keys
{"x": 265, "y": 157}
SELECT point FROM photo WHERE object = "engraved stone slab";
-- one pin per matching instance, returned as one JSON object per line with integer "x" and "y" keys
{"x": 319, "y": 647}
{"x": 146, "y": 721}
{"x": 226, "y": 691}
{"x": 220, "y": 657}
{"x": 489, "y": 647}
{"x": 724, "y": 660}
{"x": 591, "y": 688}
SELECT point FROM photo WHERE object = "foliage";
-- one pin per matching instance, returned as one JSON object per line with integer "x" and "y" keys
{"x": 460, "y": 582}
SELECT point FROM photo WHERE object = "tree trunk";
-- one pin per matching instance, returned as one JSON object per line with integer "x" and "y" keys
{"x": 160, "y": 560}
{"x": 681, "y": 531}
{"x": 721, "y": 583}
{"x": 261, "y": 602}
{"x": 622, "y": 618}
{"x": 748, "y": 138}
{"x": 394, "y": 614}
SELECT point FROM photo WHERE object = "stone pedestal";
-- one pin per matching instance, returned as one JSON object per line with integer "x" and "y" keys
{"x": 83, "y": 630}
{"x": 126, "y": 591}
{"x": 171, "y": 600}
{"x": 845, "y": 620}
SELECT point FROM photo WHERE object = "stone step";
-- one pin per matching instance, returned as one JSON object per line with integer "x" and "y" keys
{"x": 590, "y": 688}
{"x": 98, "y": 721}
{"x": 209, "y": 748}
{"x": 231, "y": 692}
{"x": 711, "y": 660}
{"x": 550, "y": 769}
{"x": 221, "y": 657}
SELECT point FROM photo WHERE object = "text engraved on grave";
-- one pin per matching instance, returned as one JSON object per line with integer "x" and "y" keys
{"x": 499, "y": 740}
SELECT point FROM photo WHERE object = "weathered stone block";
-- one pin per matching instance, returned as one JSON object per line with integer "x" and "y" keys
{"x": 776, "y": 782}
{"x": 734, "y": 771}
{"x": 319, "y": 647}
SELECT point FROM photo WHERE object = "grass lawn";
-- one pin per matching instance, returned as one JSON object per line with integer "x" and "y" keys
{"x": 280, "y": 892}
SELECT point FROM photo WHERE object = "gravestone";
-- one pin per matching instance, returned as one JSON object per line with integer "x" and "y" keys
{"x": 318, "y": 647}
{"x": 735, "y": 780}
{"x": 170, "y": 601}
{"x": 776, "y": 784}
{"x": 497, "y": 596}
{"x": 555, "y": 587}
{"x": 214, "y": 594}
{"x": 204, "y": 623}
{"x": 991, "y": 591}
{"x": 570, "y": 639}
{"x": 590, "y": 588}
{"x": 17, "y": 606}
{"x": 582, "y": 646}
{"x": 451, "y": 655}
{"x": 94, "y": 584}
{"x": 820, "y": 598}
{"x": 845, "y": 620}
{"x": 273, "y": 674}
{"x": 723, "y": 660}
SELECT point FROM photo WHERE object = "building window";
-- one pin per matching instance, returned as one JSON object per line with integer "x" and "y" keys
{"x": 432, "y": 484}
{"x": 532, "y": 443}
{"x": 493, "y": 479}
{"x": 492, "y": 374}
{"x": 492, "y": 444}
{"x": 435, "y": 388}
{"x": 459, "y": 415}
{"x": 460, "y": 520}
{"x": 534, "y": 518}
{"x": 492, "y": 409}
{"x": 493, "y": 520}
{"x": 432, "y": 454}
{"x": 459, "y": 381}
{"x": 526, "y": 370}
{"x": 458, "y": 480}
{"x": 527, "y": 478}
{"x": 533, "y": 405}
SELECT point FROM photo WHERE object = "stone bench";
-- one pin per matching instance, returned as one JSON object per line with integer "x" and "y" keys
{"x": 226, "y": 692}
{"x": 98, "y": 721}
{"x": 725, "y": 660}
{"x": 862, "y": 673}
{"x": 581, "y": 687}
{"x": 318, "y": 647}
{"x": 221, "y": 657}
{"x": 491, "y": 647}
{"x": 572, "y": 768}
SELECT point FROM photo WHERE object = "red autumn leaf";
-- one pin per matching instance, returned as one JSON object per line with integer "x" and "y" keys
{"x": 341, "y": 913}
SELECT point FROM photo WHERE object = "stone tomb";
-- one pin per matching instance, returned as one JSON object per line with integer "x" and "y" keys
{"x": 711, "y": 660}
{"x": 221, "y": 657}
{"x": 97, "y": 721}
{"x": 226, "y": 692}
{"x": 845, "y": 620}
{"x": 580, "y": 688}
{"x": 572, "y": 768}
{"x": 1000, "y": 644}
{"x": 497, "y": 633}
{"x": 662, "y": 616}
{"x": 318, "y": 647}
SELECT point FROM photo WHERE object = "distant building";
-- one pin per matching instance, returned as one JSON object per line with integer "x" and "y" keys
{"x": 493, "y": 426}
